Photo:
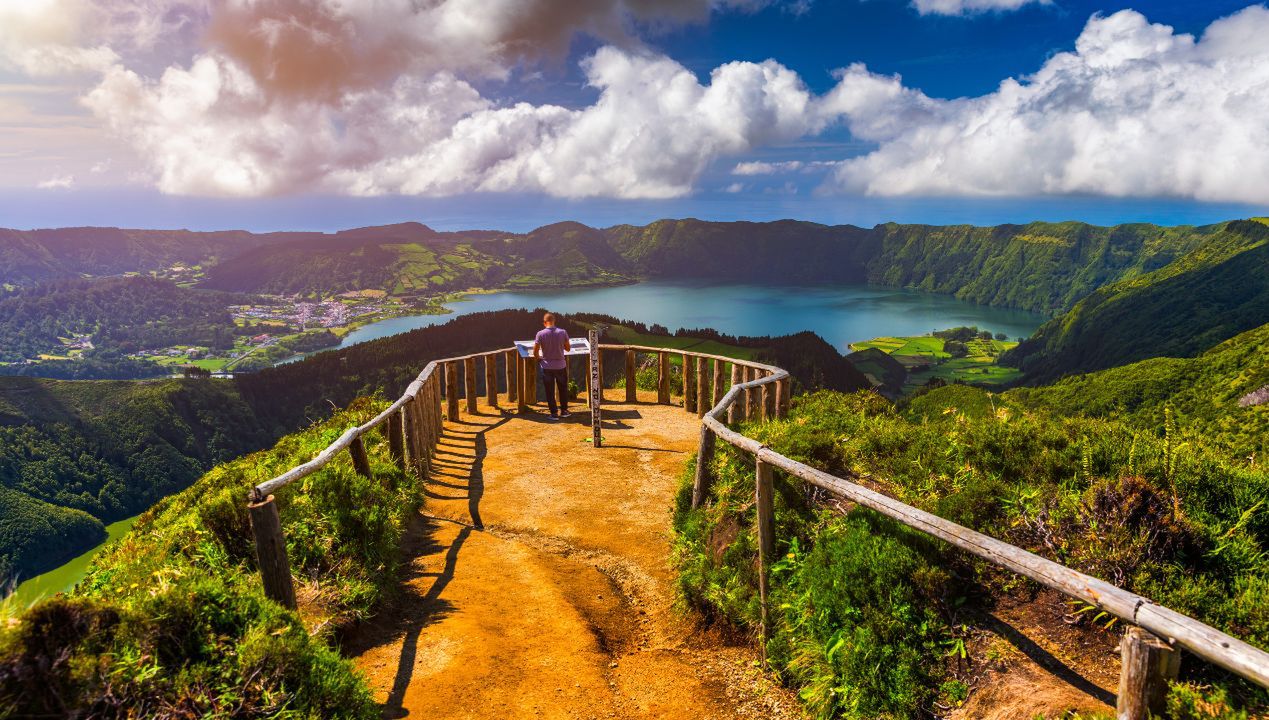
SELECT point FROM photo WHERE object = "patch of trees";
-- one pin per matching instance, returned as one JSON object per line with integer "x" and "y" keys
{"x": 111, "y": 449}
{"x": 1181, "y": 310}
{"x": 122, "y": 315}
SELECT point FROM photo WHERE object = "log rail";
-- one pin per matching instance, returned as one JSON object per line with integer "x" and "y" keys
{"x": 755, "y": 391}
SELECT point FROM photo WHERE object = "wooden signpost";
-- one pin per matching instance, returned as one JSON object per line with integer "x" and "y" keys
{"x": 596, "y": 388}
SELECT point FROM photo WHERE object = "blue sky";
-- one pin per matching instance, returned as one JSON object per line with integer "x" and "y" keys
{"x": 632, "y": 115}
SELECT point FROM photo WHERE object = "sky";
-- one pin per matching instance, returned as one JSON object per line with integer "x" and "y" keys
{"x": 511, "y": 114}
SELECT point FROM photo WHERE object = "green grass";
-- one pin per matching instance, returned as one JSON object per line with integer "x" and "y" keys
{"x": 171, "y": 619}
{"x": 979, "y": 368}
{"x": 867, "y": 614}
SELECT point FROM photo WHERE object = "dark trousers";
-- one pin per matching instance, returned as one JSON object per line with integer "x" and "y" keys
{"x": 556, "y": 381}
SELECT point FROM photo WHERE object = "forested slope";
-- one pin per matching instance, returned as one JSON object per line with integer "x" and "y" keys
{"x": 1213, "y": 396}
{"x": 106, "y": 450}
{"x": 1207, "y": 296}
{"x": 122, "y": 314}
{"x": 1043, "y": 267}
{"x": 28, "y": 257}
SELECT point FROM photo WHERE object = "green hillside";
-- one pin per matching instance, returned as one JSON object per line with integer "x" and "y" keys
{"x": 122, "y": 315}
{"x": 1043, "y": 267}
{"x": 171, "y": 620}
{"x": 28, "y": 257}
{"x": 1208, "y": 295}
{"x": 1210, "y": 395}
{"x": 71, "y": 452}
{"x": 872, "y": 619}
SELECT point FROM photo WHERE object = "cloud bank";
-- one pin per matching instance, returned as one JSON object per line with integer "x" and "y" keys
{"x": 368, "y": 97}
{"x": 1134, "y": 110}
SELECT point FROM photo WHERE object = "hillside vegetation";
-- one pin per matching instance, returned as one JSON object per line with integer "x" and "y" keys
{"x": 1212, "y": 398}
{"x": 76, "y": 455}
{"x": 875, "y": 620}
{"x": 28, "y": 257}
{"x": 1210, "y": 294}
{"x": 171, "y": 620}
{"x": 1043, "y": 267}
{"x": 122, "y": 314}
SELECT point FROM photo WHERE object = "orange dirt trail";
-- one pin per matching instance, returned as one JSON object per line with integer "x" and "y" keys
{"x": 538, "y": 581}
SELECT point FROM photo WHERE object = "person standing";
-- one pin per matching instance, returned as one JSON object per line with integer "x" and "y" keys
{"x": 550, "y": 347}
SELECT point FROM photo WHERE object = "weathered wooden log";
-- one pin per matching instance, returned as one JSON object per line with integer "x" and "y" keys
{"x": 704, "y": 458}
{"x": 720, "y": 382}
{"x": 763, "y": 497}
{"x": 451, "y": 391}
{"x": 396, "y": 438}
{"x": 768, "y": 401}
{"x": 360, "y": 461}
{"x": 702, "y": 387}
{"x": 736, "y": 412}
{"x": 491, "y": 380}
{"x": 689, "y": 383}
{"x": 1148, "y": 663}
{"x": 511, "y": 356}
{"x": 469, "y": 385}
{"x": 663, "y": 378}
{"x": 782, "y": 402}
{"x": 632, "y": 387}
{"x": 275, "y": 568}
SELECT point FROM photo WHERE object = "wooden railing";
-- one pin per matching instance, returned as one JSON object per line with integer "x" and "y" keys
{"x": 1151, "y": 645}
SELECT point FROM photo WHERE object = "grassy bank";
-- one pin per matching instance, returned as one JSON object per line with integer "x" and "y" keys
{"x": 171, "y": 620}
{"x": 870, "y": 617}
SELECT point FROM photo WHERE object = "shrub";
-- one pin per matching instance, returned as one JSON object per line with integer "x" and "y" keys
{"x": 171, "y": 620}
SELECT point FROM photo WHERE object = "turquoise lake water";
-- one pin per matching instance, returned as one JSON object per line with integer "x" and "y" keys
{"x": 840, "y": 314}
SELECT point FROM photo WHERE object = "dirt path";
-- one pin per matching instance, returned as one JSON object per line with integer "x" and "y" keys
{"x": 539, "y": 582}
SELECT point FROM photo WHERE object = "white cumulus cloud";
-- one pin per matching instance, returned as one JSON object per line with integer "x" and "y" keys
{"x": 969, "y": 7}
{"x": 1135, "y": 110}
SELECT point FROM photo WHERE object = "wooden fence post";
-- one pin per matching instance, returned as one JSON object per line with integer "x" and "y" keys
{"x": 689, "y": 384}
{"x": 411, "y": 437}
{"x": 720, "y": 381}
{"x": 782, "y": 404}
{"x": 522, "y": 401}
{"x": 631, "y": 386}
{"x": 702, "y": 388}
{"x": 421, "y": 420}
{"x": 396, "y": 439}
{"x": 491, "y": 380}
{"x": 663, "y": 378}
{"x": 451, "y": 391}
{"x": 361, "y": 463}
{"x": 511, "y": 357}
{"x": 275, "y": 568}
{"x": 600, "y": 355}
{"x": 768, "y": 401}
{"x": 1148, "y": 664}
{"x": 751, "y": 394}
{"x": 766, "y": 542}
{"x": 438, "y": 420}
{"x": 736, "y": 412}
{"x": 704, "y": 457}
{"x": 469, "y": 384}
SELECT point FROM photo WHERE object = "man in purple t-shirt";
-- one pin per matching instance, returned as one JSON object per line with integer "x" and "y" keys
{"x": 550, "y": 348}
